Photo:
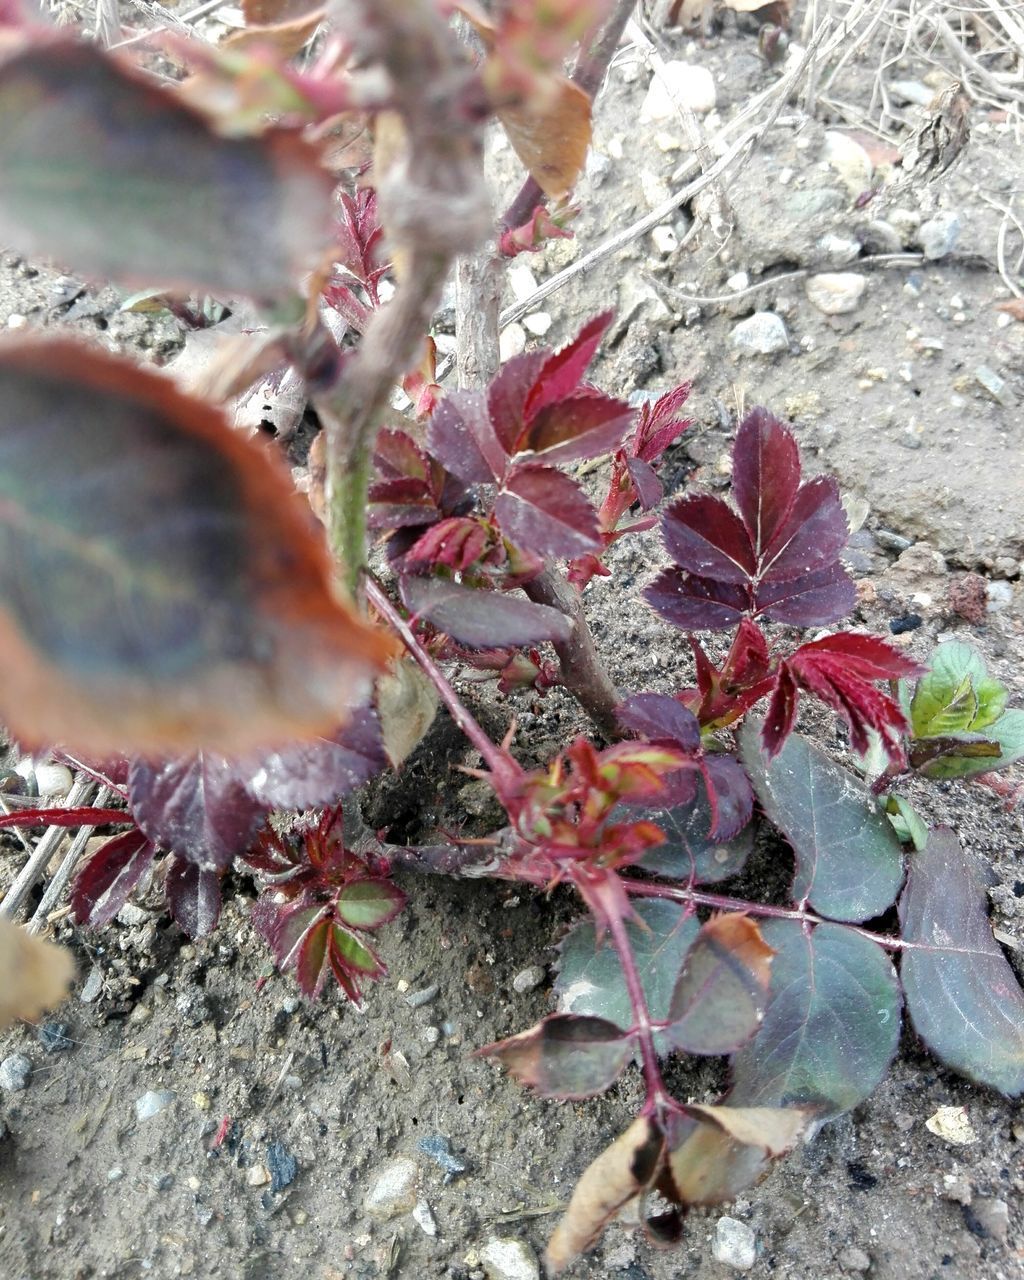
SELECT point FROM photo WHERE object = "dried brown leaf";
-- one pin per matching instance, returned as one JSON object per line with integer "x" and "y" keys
{"x": 551, "y": 136}
{"x": 287, "y": 37}
{"x": 618, "y": 1175}
{"x": 406, "y": 704}
{"x": 717, "y": 1152}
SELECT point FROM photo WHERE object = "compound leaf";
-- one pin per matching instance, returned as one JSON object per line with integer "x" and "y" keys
{"x": 113, "y": 175}
{"x": 832, "y": 1022}
{"x": 849, "y": 864}
{"x": 162, "y": 587}
{"x": 565, "y": 1056}
{"x": 962, "y": 996}
{"x": 545, "y": 511}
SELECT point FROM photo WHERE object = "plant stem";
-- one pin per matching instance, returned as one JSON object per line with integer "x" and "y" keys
{"x": 582, "y": 670}
{"x": 588, "y": 73}
{"x": 506, "y": 774}
{"x": 657, "y": 1094}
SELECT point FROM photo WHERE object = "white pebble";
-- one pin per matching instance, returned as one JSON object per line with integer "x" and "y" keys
{"x": 17, "y": 321}
{"x": 763, "y": 333}
{"x": 735, "y": 1244}
{"x": 153, "y": 1102}
{"x": 529, "y": 979}
{"x": 537, "y": 324}
{"x": 424, "y": 1219}
{"x": 512, "y": 341}
{"x": 14, "y": 1073}
{"x": 836, "y": 292}
{"x": 522, "y": 281}
{"x": 53, "y": 780}
{"x": 393, "y": 1190}
{"x": 504, "y": 1258}
{"x": 675, "y": 85}
{"x": 664, "y": 240}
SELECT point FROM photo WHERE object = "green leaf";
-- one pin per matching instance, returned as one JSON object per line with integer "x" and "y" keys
{"x": 113, "y": 175}
{"x": 162, "y": 587}
{"x": 590, "y": 977}
{"x": 956, "y": 694}
{"x": 1008, "y": 735}
{"x": 352, "y": 954}
{"x": 907, "y": 822}
{"x": 832, "y": 1024}
{"x": 565, "y": 1056}
{"x": 689, "y": 853}
{"x": 962, "y": 996}
{"x": 720, "y": 996}
{"x": 367, "y": 904}
{"x": 849, "y": 865}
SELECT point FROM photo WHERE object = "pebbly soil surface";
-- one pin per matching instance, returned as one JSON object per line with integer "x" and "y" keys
{"x": 311, "y": 1140}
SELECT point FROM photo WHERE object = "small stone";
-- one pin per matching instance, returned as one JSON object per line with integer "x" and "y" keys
{"x": 14, "y": 1073}
{"x": 132, "y": 916}
{"x": 763, "y": 333}
{"x": 912, "y": 91}
{"x": 993, "y": 1216}
{"x": 906, "y": 622}
{"x": 839, "y": 251}
{"x": 952, "y": 1125}
{"x": 417, "y": 999}
{"x": 968, "y": 596}
{"x": 999, "y": 597}
{"x": 300, "y": 1217}
{"x": 957, "y": 1188}
{"x": 193, "y": 1183}
{"x": 92, "y": 986}
{"x": 291, "y": 1004}
{"x": 54, "y": 1038}
{"x": 880, "y": 236}
{"x": 430, "y": 1036}
{"x": 257, "y": 1176}
{"x": 854, "y": 1259}
{"x": 522, "y": 281}
{"x": 1005, "y": 567}
{"x": 192, "y": 1007}
{"x": 664, "y": 240}
{"x": 735, "y": 1244}
{"x": 537, "y": 324}
{"x": 393, "y": 1190}
{"x": 511, "y": 341}
{"x": 282, "y": 1165}
{"x": 505, "y": 1258}
{"x": 836, "y": 293}
{"x": 162, "y": 1181}
{"x": 738, "y": 282}
{"x": 678, "y": 84}
{"x": 439, "y": 1148}
{"x": 938, "y": 236}
{"x": 17, "y": 321}
{"x": 849, "y": 159}
{"x": 115, "y": 1174}
{"x": 424, "y": 1219}
{"x": 53, "y": 779}
{"x": 153, "y": 1102}
{"x": 529, "y": 979}
{"x": 892, "y": 541}
{"x": 994, "y": 386}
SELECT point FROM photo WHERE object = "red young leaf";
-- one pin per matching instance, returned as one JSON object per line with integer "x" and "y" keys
{"x": 193, "y": 894}
{"x": 310, "y": 956}
{"x": 811, "y": 537}
{"x": 585, "y": 425}
{"x": 461, "y": 438}
{"x": 89, "y": 144}
{"x": 562, "y": 372}
{"x": 398, "y": 457}
{"x": 453, "y": 544}
{"x": 649, "y": 489}
{"x": 839, "y": 670}
{"x": 765, "y": 475}
{"x": 103, "y": 884}
{"x": 545, "y": 511}
{"x": 659, "y": 424}
{"x": 660, "y": 718}
{"x": 482, "y": 619}
{"x": 507, "y": 396}
{"x": 815, "y": 598}
{"x": 729, "y": 793}
{"x": 197, "y": 807}
{"x": 320, "y": 771}
{"x": 83, "y": 816}
{"x": 706, "y": 537}
{"x": 696, "y": 604}
{"x": 163, "y": 587}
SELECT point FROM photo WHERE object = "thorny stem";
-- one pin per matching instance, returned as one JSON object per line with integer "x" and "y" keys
{"x": 506, "y": 774}
{"x": 588, "y": 74}
{"x": 581, "y": 668}
{"x": 657, "y": 1094}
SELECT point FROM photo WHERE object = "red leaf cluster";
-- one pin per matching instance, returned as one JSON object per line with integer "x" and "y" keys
{"x": 777, "y": 556}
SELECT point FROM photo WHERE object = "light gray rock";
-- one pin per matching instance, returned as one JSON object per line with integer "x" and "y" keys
{"x": 15, "y": 1072}
{"x": 529, "y": 979}
{"x": 735, "y": 1244}
{"x": 993, "y": 1217}
{"x": 762, "y": 334}
{"x": 1000, "y": 596}
{"x": 837, "y": 250}
{"x": 393, "y": 1191}
{"x": 938, "y": 236}
{"x": 678, "y": 84}
{"x": 849, "y": 160}
{"x": 505, "y": 1258}
{"x": 993, "y": 385}
{"x": 153, "y": 1102}
{"x": 854, "y": 1259}
{"x": 836, "y": 293}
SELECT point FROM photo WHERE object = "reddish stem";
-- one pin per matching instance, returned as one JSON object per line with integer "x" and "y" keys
{"x": 506, "y": 774}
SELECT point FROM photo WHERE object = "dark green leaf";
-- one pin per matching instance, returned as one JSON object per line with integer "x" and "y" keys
{"x": 565, "y": 1056}
{"x": 832, "y": 1023}
{"x": 112, "y": 175}
{"x": 367, "y": 904}
{"x": 720, "y": 996}
{"x": 162, "y": 587}
{"x": 689, "y": 853}
{"x": 590, "y": 977}
{"x": 849, "y": 865}
{"x": 962, "y": 996}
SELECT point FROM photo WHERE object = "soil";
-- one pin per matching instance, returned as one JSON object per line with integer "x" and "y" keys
{"x": 887, "y": 397}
